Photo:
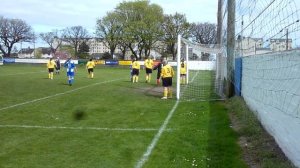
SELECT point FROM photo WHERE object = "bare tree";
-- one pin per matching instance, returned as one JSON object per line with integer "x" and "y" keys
{"x": 204, "y": 33}
{"x": 13, "y": 31}
{"x": 75, "y": 36}
{"x": 53, "y": 39}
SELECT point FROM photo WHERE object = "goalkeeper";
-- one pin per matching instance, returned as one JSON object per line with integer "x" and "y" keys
{"x": 167, "y": 74}
{"x": 158, "y": 67}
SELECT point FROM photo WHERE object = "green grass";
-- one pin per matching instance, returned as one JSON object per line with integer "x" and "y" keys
{"x": 261, "y": 148}
{"x": 39, "y": 126}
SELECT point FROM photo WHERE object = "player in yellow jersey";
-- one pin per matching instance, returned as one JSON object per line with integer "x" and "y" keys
{"x": 135, "y": 70}
{"x": 182, "y": 72}
{"x": 90, "y": 65}
{"x": 50, "y": 65}
{"x": 167, "y": 74}
{"x": 149, "y": 66}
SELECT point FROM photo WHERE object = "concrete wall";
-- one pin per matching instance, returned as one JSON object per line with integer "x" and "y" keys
{"x": 271, "y": 88}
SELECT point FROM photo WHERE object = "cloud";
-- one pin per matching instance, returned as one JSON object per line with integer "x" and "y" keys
{"x": 45, "y": 16}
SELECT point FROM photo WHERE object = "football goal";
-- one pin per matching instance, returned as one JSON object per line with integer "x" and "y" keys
{"x": 1, "y": 60}
{"x": 203, "y": 80}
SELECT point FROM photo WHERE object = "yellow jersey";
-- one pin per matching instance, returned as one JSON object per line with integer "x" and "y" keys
{"x": 167, "y": 71}
{"x": 90, "y": 64}
{"x": 183, "y": 68}
{"x": 50, "y": 64}
{"x": 136, "y": 65}
{"x": 148, "y": 63}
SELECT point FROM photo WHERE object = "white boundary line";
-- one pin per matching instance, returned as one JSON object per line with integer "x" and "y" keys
{"x": 80, "y": 128}
{"x": 146, "y": 155}
{"x": 58, "y": 94}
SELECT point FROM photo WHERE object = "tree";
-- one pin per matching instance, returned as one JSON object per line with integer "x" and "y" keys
{"x": 75, "y": 36}
{"x": 38, "y": 53}
{"x": 68, "y": 49}
{"x": 109, "y": 28}
{"x": 13, "y": 31}
{"x": 204, "y": 33}
{"x": 106, "y": 56}
{"x": 53, "y": 39}
{"x": 83, "y": 50}
{"x": 141, "y": 22}
{"x": 173, "y": 26}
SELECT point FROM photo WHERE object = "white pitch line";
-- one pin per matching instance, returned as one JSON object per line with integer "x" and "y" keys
{"x": 80, "y": 128}
{"x": 146, "y": 155}
{"x": 58, "y": 94}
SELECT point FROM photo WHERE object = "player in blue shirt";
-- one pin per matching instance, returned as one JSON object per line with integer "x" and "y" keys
{"x": 71, "y": 69}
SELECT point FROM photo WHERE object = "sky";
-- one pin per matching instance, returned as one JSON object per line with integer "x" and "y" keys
{"x": 47, "y": 15}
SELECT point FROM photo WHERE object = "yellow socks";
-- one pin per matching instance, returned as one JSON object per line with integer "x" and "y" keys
{"x": 135, "y": 79}
{"x": 165, "y": 92}
{"x": 169, "y": 93}
{"x": 50, "y": 75}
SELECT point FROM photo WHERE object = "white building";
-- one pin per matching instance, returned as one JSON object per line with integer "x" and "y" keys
{"x": 250, "y": 46}
{"x": 26, "y": 53}
{"x": 280, "y": 44}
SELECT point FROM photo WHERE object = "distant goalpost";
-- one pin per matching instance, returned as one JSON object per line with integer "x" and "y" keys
{"x": 204, "y": 79}
{"x": 1, "y": 60}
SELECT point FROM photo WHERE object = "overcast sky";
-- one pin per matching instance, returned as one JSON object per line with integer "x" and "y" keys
{"x": 47, "y": 15}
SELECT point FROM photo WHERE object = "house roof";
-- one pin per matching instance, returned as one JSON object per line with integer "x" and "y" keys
{"x": 26, "y": 51}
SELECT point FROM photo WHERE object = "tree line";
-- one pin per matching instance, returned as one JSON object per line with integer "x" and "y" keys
{"x": 136, "y": 26}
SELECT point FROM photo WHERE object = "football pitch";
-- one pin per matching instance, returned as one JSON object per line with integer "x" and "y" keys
{"x": 107, "y": 122}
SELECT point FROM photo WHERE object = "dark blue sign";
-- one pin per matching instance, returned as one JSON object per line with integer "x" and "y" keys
{"x": 238, "y": 76}
{"x": 9, "y": 60}
{"x": 111, "y": 62}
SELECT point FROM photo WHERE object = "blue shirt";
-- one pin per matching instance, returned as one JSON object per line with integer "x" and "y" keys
{"x": 70, "y": 65}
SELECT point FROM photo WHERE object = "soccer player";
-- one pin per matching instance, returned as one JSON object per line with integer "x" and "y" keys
{"x": 57, "y": 65}
{"x": 167, "y": 74}
{"x": 130, "y": 67}
{"x": 149, "y": 66}
{"x": 182, "y": 72}
{"x": 90, "y": 67}
{"x": 135, "y": 70}
{"x": 158, "y": 68}
{"x": 71, "y": 68}
{"x": 50, "y": 66}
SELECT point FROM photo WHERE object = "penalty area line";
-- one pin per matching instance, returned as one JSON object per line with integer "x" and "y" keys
{"x": 150, "y": 148}
{"x": 81, "y": 128}
{"x": 55, "y": 95}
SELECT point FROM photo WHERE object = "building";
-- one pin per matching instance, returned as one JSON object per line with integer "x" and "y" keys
{"x": 246, "y": 46}
{"x": 26, "y": 53}
{"x": 280, "y": 44}
{"x": 40, "y": 52}
{"x": 251, "y": 46}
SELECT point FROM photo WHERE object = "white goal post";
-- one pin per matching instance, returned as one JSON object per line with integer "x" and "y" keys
{"x": 202, "y": 77}
{"x": 1, "y": 60}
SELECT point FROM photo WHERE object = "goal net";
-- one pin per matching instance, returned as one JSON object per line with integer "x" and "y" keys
{"x": 1, "y": 60}
{"x": 204, "y": 79}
